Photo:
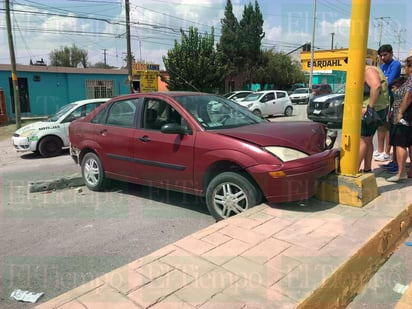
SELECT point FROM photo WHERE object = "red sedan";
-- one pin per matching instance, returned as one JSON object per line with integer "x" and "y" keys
{"x": 202, "y": 144}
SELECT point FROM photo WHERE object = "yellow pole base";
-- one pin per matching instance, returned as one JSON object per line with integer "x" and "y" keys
{"x": 354, "y": 191}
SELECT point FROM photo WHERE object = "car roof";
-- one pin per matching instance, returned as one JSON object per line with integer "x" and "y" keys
{"x": 88, "y": 101}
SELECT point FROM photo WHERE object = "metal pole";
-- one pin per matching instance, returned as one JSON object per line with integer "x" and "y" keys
{"x": 312, "y": 46}
{"x": 14, "y": 79}
{"x": 129, "y": 49}
{"x": 351, "y": 127}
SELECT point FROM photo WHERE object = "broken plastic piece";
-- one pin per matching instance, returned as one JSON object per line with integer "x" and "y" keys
{"x": 400, "y": 288}
{"x": 26, "y": 296}
{"x": 408, "y": 243}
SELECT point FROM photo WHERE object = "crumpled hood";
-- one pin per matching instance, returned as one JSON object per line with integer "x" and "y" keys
{"x": 305, "y": 136}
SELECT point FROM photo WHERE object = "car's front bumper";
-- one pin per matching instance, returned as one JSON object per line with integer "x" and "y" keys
{"x": 301, "y": 178}
{"x": 24, "y": 144}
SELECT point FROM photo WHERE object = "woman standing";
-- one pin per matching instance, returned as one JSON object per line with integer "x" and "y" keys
{"x": 401, "y": 137}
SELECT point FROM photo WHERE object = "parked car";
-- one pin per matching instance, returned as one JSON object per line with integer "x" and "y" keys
{"x": 268, "y": 103}
{"x": 321, "y": 89}
{"x": 237, "y": 95}
{"x": 49, "y": 137}
{"x": 329, "y": 108}
{"x": 301, "y": 95}
{"x": 231, "y": 157}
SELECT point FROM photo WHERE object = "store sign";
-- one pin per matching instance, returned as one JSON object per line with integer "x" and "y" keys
{"x": 326, "y": 64}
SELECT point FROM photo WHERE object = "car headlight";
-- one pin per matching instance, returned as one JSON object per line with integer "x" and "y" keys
{"x": 336, "y": 102}
{"x": 28, "y": 133}
{"x": 249, "y": 105}
{"x": 286, "y": 154}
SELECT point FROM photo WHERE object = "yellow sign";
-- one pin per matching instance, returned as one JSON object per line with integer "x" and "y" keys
{"x": 332, "y": 59}
{"x": 148, "y": 82}
{"x": 147, "y": 74}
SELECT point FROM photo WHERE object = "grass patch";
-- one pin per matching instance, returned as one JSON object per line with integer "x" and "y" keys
{"x": 7, "y": 130}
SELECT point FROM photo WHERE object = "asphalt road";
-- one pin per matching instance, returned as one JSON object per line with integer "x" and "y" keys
{"x": 54, "y": 241}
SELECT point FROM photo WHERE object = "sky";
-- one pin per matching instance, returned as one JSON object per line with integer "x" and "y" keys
{"x": 98, "y": 26}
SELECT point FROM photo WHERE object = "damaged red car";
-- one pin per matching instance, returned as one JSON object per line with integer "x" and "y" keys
{"x": 202, "y": 144}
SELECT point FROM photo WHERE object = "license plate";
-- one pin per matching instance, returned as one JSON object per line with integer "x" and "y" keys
{"x": 316, "y": 112}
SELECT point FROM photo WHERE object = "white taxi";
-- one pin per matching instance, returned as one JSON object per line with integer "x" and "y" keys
{"x": 49, "y": 137}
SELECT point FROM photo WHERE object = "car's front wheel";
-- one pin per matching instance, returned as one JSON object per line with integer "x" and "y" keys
{"x": 93, "y": 172}
{"x": 288, "y": 111}
{"x": 229, "y": 194}
{"x": 257, "y": 113}
{"x": 50, "y": 146}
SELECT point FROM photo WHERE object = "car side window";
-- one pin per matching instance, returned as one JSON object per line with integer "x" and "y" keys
{"x": 122, "y": 114}
{"x": 156, "y": 113}
{"x": 280, "y": 94}
{"x": 270, "y": 96}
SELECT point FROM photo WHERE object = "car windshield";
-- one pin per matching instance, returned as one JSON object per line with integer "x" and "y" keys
{"x": 215, "y": 112}
{"x": 63, "y": 110}
{"x": 253, "y": 97}
{"x": 301, "y": 90}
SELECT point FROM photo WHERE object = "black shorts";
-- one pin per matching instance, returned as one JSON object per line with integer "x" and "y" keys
{"x": 401, "y": 135}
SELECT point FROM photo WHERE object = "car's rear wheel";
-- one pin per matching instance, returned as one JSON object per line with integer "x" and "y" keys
{"x": 258, "y": 113}
{"x": 288, "y": 111}
{"x": 50, "y": 146}
{"x": 93, "y": 172}
{"x": 229, "y": 194}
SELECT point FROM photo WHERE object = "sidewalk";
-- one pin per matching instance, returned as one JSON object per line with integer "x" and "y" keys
{"x": 315, "y": 256}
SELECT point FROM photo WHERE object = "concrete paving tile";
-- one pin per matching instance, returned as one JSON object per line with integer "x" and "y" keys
{"x": 210, "y": 229}
{"x": 368, "y": 226}
{"x": 299, "y": 229}
{"x": 243, "y": 234}
{"x": 343, "y": 246}
{"x": 265, "y": 250}
{"x": 272, "y": 226}
{"x": 125, "y": 279}
{"x": 72, "y": 294}
{"x": 172, "y": 302}
{"x": 316, "y": 239}
{"x": 216, "y": 239}
{"x": 106, "y": 297}
{"x": 205, "y": 287}
{"x": 194, "y": 245}
{"x": 226, "y": 251}
{"x": 307, "y": 276}
{"x": 240, "y": 294}
{"x": 72, "y": 305}
{"x": 154, "y": 269}
{"x": 194, "y": 265}
{"x": 275, "y": 300}
{"x": 256, "y": 273}
{"x": 339, "y": 225}
{"x": 155, "y": 255}
{"x": 283, "y": 264}
{"x": 245, "y": 222}
{"x": 160, "y": 288}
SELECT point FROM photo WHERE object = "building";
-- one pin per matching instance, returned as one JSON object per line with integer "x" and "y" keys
{"x": 44, "y": 89}
{"x": 330, "y": 66}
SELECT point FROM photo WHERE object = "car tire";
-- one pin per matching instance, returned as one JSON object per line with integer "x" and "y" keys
{"x": 231, "y": 193}
{"x": 257, "y": 113}
{"x": 50, "y": 146}
{"x": 288, "y": 111}
{"x": 93, "y": 172}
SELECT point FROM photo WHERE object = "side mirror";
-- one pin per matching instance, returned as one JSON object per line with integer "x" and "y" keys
{"x": 174, "y": 128}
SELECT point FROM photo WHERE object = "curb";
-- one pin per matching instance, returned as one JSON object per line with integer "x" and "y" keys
{"x": 56, "y": 184}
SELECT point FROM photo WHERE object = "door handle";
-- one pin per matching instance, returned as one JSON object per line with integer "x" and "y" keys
{"x": 144, "y": 138}
{"x": 103, "y": 132}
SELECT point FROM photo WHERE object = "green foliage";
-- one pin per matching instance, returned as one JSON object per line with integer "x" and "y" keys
{"x": 193, "y": 63}
{"x": 69, "y": 57}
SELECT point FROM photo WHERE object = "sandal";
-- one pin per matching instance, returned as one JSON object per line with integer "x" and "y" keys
{"x": 397, "y": 179}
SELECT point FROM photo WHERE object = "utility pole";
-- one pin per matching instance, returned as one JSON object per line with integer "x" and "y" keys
{"x": 104, "y": 55}
{"x": 380, "y": 26}
{"x": 14, "y": 79}
{"x": 129, "y": 49}
{"x": 331, "y": 46}
{"x": 399, "y": 40}
{"x": 312, "y": 46}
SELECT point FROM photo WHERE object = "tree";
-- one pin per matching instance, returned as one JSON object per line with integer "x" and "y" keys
{"x": 228, "y": 46}
{"x": 69, "y": 57}
{"x": 102, "y": 65}
{"x": 193, "y": 63}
